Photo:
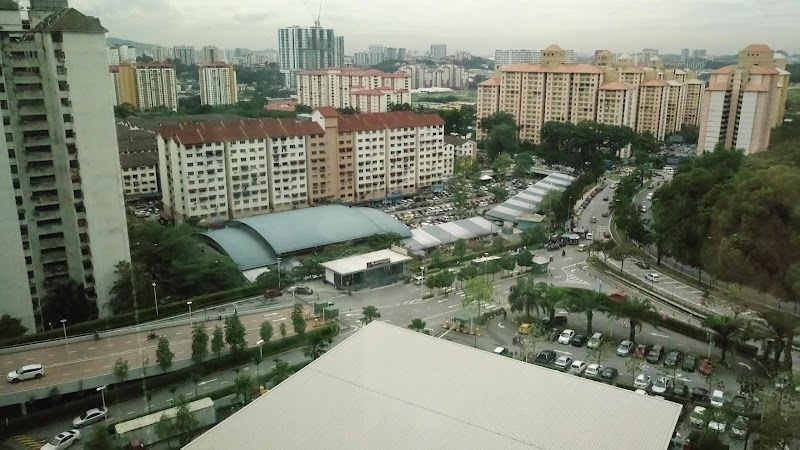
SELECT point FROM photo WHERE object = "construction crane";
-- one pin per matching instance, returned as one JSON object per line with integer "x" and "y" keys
{"x": 319, "y": 13}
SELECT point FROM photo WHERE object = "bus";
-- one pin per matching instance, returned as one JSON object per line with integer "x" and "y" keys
{"x": 485, "y": 259}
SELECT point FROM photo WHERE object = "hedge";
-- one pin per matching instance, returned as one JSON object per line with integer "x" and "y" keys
{"x": 78, "y": 402}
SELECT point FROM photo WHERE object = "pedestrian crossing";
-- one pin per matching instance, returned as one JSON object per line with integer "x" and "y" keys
{"x": 28, "y": 442}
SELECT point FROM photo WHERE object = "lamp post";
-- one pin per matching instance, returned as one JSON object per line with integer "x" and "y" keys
{"x": 421, "y": 282}
{"x": 710, "y": 344}
{"x": 189, "y": 303}
{"x": 64, "y": 327}
{"x": 260, "y": 344}
{"x": 279, "y": 274}
{"x": 102, "y": 391}
{"x": 155, "y": 297}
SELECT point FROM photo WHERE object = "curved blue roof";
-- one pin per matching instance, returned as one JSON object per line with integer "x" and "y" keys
{"x": 258, "y": 241}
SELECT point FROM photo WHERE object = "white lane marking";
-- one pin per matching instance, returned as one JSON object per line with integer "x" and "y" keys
{"x": 91, "y": 348}
{"x": 52, "y": 354}
{"x": 443, "y": 334}
{"x": 128, "y": 342}
{"x": 206, "y": 382}
{"x": 110, "y": 345}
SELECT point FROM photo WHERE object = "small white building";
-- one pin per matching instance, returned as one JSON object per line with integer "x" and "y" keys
{"x": 369, "y": 270}
{"x": 460, "y": 147}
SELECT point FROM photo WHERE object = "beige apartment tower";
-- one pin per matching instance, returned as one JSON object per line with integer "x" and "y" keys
{"x": 217, "y": 84}
{"x": 743, "y": 103}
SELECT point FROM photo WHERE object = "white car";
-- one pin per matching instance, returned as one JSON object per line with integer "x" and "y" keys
{"x": 717, "y": 399}
{"x": 719, "y": 422}
{"x": 563, "y": 362}
{"x": 25, "y": 373}
{"x": 640, "y": 392}
{"x": 91, "y": 416}
{"x": 698, "y": 416}
{"x": 624, "y": 348}
{"x": 577, "y": 367}
{"x": 593, "y": 370}
{"x": 662, "y": 385}
{"x": 566, "y": 337}
{"x": 642, "y": 381}
{"x": 63, "y": 440}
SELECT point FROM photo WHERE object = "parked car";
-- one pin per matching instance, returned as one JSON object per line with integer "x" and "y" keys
{"x": 689, "y": 363}
{"x": 642, "y": 265}
{"x": 593, "y": 370}
{"x": 593, "y": 219}
{"x": 595, "y": 341}
{"x": 605, "y": 199}
{"x": 566, "y": 336}
{"x": 563, "y": 362}
{"x": 705, "y": 367}
{"x": 545, "y": 357}
{"x": 605, "y": 214}
{"x": 609, "y": 374}
{"x": 91, "y": 416}
{"x": 699, "y": 394}
{"x": 672, "y": 359}
{"x": 558, "y": 321}
{"x": 63, "y": 440}
{"x": 642, "y": 381}
{"x": 680, "y": 390}
{"x": 739, "y": 427}
{"x": 655, "y": 354}
{"x": 579, "y": 340}
{"x": 624, "y": 348}
{"x": 741, "y": 404}
{"x": 28, "y": 372}
{"x": 662, "y": 385}
{"x": 717, "y": 398}
{"x": 577, "y": 367}
{"x": 272, "y": 293}
{"x": 718, "y": 422}
{"x": 641, "y": 351}
{"x": 698, "y": 416}
{"x": 525, "y": 328}
{"x": 653, "y": 277}
{"x": 302, "y": 290}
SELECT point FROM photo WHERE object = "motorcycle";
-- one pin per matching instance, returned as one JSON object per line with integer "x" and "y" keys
{"x": 151, "y": 336}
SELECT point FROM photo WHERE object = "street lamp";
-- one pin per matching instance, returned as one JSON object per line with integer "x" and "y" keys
{"x": 279, "y": 274}
{"x": 260, "y": 357}
{"x": 710, "y": 344}
{"x": 102, "y": 391}
{"x": 155, "y": 297}
{"x": 64, "y": 327}
{"x": 421, "y": 282}
{"x": 189, "y": 303}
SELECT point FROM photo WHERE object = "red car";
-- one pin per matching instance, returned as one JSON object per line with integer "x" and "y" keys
{"x": 272, "y": 293}
{"x": 618, "y": 296}
{"x": 705, "y": 367}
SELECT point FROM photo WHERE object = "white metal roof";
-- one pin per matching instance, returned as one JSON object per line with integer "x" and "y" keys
{"x": 387, "y": 387}
{"x": 358, "y": 263}
{"x": 150, "y": 419}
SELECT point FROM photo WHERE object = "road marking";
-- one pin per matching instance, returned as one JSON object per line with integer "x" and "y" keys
{"x": 563, "y": 353}
{"x": 223, "y": 382}
{"x": 499, "y": 324}
{"x": 443, "y": 334}
{"x": 31, "y": 359}
{"x": 128, "y": 342}
{"x": 281, "y": 318}
{"x": 73, "y": 351}
{"x": 131, "y": 413}
{"x": 87, "y": 370}
{"x": 206, "y": 382}
{"x": 53, "y": 354}
{"x": 451, "y": 306}
{"x": 271, "y": 314}
{"x": 206, "y": 387}
{"x": 659, "y": 335}
{"x": 110, "y": 345}
{"x": 179, "y": 332}
{"x": 91, "y": 348}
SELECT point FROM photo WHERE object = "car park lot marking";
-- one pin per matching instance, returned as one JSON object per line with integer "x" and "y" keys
{"x": 659, "y": 335}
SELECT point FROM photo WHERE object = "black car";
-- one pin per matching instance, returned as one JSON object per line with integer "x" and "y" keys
{"x": 545, "y": 357}
{"x": 699, "y": 394}
{"x": 672, "y": 359}
{"x": 605, "y": 199}
{"x": 558, "y": 321}
{"x": 680, "y": 390}
{"x": 303, "y": 290}
{"x": 642, "y": 265}
{"x": 741, "y": 405}
{"x": 579, "y": 340}
{"x": 689, "y": 364}
{"x": 609, "y": 374}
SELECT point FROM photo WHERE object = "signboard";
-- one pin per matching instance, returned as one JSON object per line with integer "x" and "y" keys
{"x": 380, "y": 262}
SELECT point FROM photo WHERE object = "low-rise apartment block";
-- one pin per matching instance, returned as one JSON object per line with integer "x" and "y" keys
{"x": 223, "y": 170}
{"x": 611, "y": 91}
{"x": 138, "y": 159}
{"x": 460, "y": 147}
{"x": 366, "y": 90}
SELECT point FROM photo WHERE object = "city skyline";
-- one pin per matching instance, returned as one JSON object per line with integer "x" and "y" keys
{"x": 679, "y": 24}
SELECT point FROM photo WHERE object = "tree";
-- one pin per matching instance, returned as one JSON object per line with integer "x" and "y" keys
{"x": 499, "y": 193}
{"x": 496, "y": 119}
{"x": 217, "y": 341}
{"x": 551, "y": 298}
{"x": 501, "y": 164}
{"x": 68, "y": 300}
{"x": 369, "y": 313}
{"x": 498, "y": 244}
{"x": 417, "y": 325}
{"x": 534, "y": 236}
{"x": 98, "y": 438}
{"x": 586, "y": 302}
{"x": 725, "y": 329}
{"x": 459, "y": 250}
{"x": 508, "y": 263}
{"x": 195, "y": 377}
{"x": 525, "y": 259}
{"x": 298, "y": 321}
{"x": 467, "y": 272}
{"x": 185, "y": 422}
{"x": 122, "y": 300}
{"x": 199, "y": 343}
{"x": 11, "y": 327}
{"x": 282, "y": 329}
{"x": 525, "y": 296}
{"x": 165, "y": 429}
{"x": 491, "y": 268}
{"x": 243, "y": 385}
{"x": 120, "y": 369}
{"x": 636, "y": 311}
{"x": 622, "y": 252}
{"x": 500, "y": 140}
{"x": 478, "y": 290}
{"x": 235, "y": 333}
{"x": 523, "y": 163}
{"x": 265, "y": 332}
{"x": 317, "y": 344}
{"x": 280, "y": 372}
{"x": 164, "y": 355}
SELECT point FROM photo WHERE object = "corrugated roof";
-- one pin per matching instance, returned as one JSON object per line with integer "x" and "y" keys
{"x": 387, "y": 387}
{"x": 129, "y": 160}
{"x": 245, "y": 129}
{"x": 436, "y": 235}
{"x": 358, "y": 263}
{"x": 387, "y": 120}
{"x": 70, "y": 20}
{"x": 257, "y": 241}
{"x": 528, "y": 200}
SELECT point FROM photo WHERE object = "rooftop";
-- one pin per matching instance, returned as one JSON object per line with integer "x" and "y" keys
{"x": 445, "y": 233}
{"x": 129, "y": 160}
{"x": 614, "y": 86}
{"x": 528, "y": 200}
{"x": 655, "y": 83}
{"x": 757, "y": 48}
{"x": 70, "y": 20}
{"x": 455, "y": 140}
{"x": 359, "y": 263}
{"x": 387, "y": 120}
{"x": 257, "y": 241}
{"x": 558, "y": 68}
{"x": 387, "y": 387}
{"x": 156, "y": 122}
{"x": 244, "y": 129}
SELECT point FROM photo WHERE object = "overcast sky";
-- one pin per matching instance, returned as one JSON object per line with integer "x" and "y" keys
{"x": 477, "y": 26}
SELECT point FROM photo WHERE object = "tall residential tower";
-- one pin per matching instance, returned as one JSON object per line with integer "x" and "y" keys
{"x": 303, "y": 48}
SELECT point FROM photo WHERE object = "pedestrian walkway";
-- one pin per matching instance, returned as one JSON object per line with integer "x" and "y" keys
{"x": 28, "y": 442}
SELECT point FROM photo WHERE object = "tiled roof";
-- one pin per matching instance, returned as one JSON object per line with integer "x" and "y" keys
{"x": 355, "y": 73}
{"x": 655, "y": 83}
{"x": 455, "y": 140}
{"x": 370, "y": 92}
{"x": 757, "y": 48}
{"x": 70, "y": 20}
{"x": 129, "y": 160}
{"x": 762, "y": 70}
{"x": 328, "y": 111}
{"x": 559, "y": 68}
{"x": 604, "y": 53}
{"x": 190, "y": 134}
{"x": 135, "y": 141}
{"x": 490, "y": 82}
{"x": 754, "y": 86}
{"x": 553, "y": 48}
{"x": 726, "y": 69}
{"x": 633, "y": 69}
{"x": 221, "y": 64}
{"x": 8, "y": 5}
{"x": 717, "y": 86}
{"x": 154, "y": 124}
{"x": 398, "y": 74}
{"x": 614, "y": 86}
{"x": 387, "y": 120}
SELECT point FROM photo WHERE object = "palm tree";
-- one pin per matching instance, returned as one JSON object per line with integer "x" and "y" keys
{"x": 551, "y": 297}
{"x": 725, "y": 328}
{"x": 586, "y": 302}
{"x": 417, "y": 325}
{"x": 370, "y": 313}
{"x": 281, "y": 372}
{"x": 524, "y": 296}
{"x": 635, "y": 310}
{"x": 316, "y": 345}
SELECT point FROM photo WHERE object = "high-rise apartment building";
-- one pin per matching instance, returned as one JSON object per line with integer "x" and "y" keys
{"x": 744, "y": 102}
{"x": 210, "y": 53}
{"x": 365, "y": 90}
{"x": 612, "y": 91}
{"x": 438, "y": 51}
{"x": 162, "y": 54}
{"x": 508, "y": 57}
{"x": 695, "y": 89}
{"x": 227, "y": 170}
{"x": 308, "y": 48}
{"x": 185, "y": 54}
{"x": 145, "y": 85}
{"x": 218, "y": 84}
{"x": 56, "y": 170}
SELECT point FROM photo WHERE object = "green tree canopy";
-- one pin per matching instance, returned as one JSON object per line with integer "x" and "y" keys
{"x": 199, "y": 343}
{"x": 164, "y": 355}
{"x": 11, "y": 327}
{"x": 235, "y": 333}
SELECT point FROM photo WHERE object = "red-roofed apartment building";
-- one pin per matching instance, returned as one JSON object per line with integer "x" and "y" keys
{"x": 368, "y": 91}
{"x": 224, "y": 170}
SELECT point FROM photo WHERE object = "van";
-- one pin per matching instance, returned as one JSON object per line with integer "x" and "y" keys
{"x": 656, "y": 353}
{"x": 418, "y": 280}
{"x": 653, "y": 277}
{"x": 581, "y": 248}
{"x": 595, "y": 341}
{"x": 502, "y": 351}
